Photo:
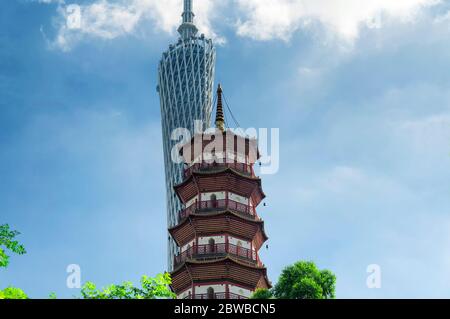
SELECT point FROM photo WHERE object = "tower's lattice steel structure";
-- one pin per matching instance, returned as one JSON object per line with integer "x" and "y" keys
{"x": 185, "y": 86}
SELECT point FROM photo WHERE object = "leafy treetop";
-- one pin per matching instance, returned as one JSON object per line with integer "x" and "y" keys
{"x": 8, "y": 242}
{"x": 262, "y": 293}
{"x": 12, "y": 293}
{"x": 303, "y": 280}
{"x": 151, "y": 288}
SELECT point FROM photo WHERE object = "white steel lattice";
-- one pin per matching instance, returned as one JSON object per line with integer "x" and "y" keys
{"x": 185, "y": 85}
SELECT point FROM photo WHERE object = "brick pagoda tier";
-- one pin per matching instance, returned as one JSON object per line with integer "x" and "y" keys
{"x": 219, "y": 232}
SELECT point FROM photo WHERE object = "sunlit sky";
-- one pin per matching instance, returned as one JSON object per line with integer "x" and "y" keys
{"x": 360, "y": 93}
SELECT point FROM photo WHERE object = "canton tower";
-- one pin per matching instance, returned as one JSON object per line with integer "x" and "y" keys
{"x": 185, "y": 86}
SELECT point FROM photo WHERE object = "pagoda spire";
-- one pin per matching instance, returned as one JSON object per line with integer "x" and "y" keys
{"x": 187, "y": 29}
{"x": 220, "y": 121}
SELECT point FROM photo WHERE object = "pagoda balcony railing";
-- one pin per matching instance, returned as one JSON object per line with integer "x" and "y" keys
{"x": 241, "y": 167}
{"x": 214, "y": 251}
{"x": 219, "y": 295}
{"x": 202, "y": 206}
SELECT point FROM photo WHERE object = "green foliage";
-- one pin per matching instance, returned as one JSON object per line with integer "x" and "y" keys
{"x": 12, "y": 293}
{"x": 151, "y": 288}
{"x": 52, "y": 296}
{"x": 262, "y": 294}
{"x": 8, "y": 242}
{"x": 306, "y": 288}
{"x": 304, "y": 280}
{"x": 328, "y": 280}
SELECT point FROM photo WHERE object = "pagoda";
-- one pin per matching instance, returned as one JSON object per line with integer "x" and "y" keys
{"x": 219, "y": 232}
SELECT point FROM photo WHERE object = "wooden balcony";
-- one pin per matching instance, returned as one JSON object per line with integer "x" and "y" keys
{"x": 205, "y": 167}
{"x": 220, "y": 295}
{"x": 215, "y": 251}
{"x": 219, "y": 204}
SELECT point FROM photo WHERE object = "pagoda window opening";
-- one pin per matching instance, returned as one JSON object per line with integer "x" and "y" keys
{"x": 239, "y": 248}
{"x": 213, "y": 199}
{"x": 188, "y": 250}
{"x": 214, "y": 157}
{"x": 212, "y": 245}
{"x": 210, "y": 292}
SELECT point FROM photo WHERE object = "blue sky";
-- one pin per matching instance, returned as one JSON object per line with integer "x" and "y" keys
{"x": 361, "y": 96}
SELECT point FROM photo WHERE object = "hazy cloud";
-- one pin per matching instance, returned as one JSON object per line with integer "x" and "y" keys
{"x": 257, "y": 19}
{"x": 107, "y": 19}
{"x": 271, "y": 19}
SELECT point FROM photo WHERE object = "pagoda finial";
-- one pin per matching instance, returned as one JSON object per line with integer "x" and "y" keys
{"x": 187, "y": 29}
{"x": 220, "y": 121}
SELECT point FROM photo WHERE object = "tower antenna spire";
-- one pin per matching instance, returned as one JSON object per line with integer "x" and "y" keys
{"x": 220, "y": 121}
{"x": 187, "y": 29}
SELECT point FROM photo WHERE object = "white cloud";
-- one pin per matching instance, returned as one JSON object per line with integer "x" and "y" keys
{"x": 256, "y": 19}
{"x": 109, "y": 19}
{"x": 435, "y": 124}
{"x": 350, "y": 182}
{"x": 272, "y": 19}
{"x": 444, "y": 18}
{"x": 48, "y": 1}
{"x": 428, "y": 137}
{"x": 342, "y": 179}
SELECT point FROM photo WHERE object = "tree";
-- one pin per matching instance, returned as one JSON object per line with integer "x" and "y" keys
{"x": 304, "y": 280}
{"x": 8, "y": 242}
{"x": 262, "y": 293}
{"x": 151, "y": 288}
{"x": 52, "y": 295}
{"x": 12, "y": 293}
